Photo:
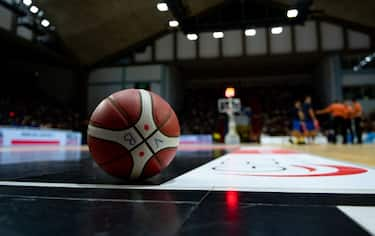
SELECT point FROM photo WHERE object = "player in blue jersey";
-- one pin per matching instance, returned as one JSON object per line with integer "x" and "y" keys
{"x": 311, "y": 122}
{"x": 298, "y": 126}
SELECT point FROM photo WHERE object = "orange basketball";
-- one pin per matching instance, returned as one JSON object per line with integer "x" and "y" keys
{"x": 133, "y": 134}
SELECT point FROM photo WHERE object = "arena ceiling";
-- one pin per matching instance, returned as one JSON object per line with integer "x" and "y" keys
{"x": 94, "y": 30}
{"x": 359, "y": 12}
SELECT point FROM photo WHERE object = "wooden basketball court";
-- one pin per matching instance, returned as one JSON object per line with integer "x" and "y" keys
{"x": 358, "y": 154}
{"x": 286, "y": 187}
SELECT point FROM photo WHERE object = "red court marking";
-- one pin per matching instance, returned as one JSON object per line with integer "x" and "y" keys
{"x": 340, "y": 171}
{"x": 264, "y": 151}
{"x": 205, "y": 147}
{"x": 34, "y": 142}
{"x": 311, "y": 169}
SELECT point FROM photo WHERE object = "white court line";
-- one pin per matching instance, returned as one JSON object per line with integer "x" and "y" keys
{"x": 203, "y": 178}
{"x": 97, "y": 199}
{"x": 163, "y": 187}
{"x": 364, "y": 216}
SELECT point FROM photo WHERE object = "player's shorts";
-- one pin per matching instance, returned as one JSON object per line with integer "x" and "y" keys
{"x": 310, "y": 125}
{"x": 296, "y": 125}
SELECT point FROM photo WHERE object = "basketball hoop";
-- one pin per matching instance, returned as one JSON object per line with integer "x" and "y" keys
{"x": 230, "y": 106}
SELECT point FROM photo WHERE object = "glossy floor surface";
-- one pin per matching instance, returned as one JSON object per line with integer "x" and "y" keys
{"x": 34, "y": 201}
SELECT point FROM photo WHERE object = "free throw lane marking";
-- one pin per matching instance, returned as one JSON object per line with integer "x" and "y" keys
{"x": 260, "y": 170}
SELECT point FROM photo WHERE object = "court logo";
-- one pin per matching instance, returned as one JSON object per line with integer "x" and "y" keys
{"x": 276, "y": 168}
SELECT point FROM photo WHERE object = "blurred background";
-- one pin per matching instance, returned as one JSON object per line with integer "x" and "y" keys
{"x": 59, "y": 59}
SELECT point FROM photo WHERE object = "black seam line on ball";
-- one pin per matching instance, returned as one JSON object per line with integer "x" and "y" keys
{"x": 144, "y": 140}
{"x": 157, "y": 159}
{"x": 118, "y": 108}
{"x": 115, "y": 159}
{"x": 141, "y": 110}
{"x": 163, "y": 123}
{"x": 135, "y": 127}
{"x": 161, "y": 126}
{"x": 166, "y": 147}
{"x": 158, "y": 129}
{"x": 144, "y": 166}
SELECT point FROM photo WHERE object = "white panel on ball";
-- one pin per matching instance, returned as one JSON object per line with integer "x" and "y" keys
{"x": 164, "y": 48}
{"x": 306, "y": 37}
{"x": 208, "y": 46}
{"x": 232, "y": 43}
{"x": 144, "y": 56}
{"x": 358, "y": 40}
{"x": 5, "y": 18}
{"x": 332, "y": 37}
{"x": 112, "y": 74}
{"x": 185, "y": 48}
{"x": 257, "y": 44}
{"x": 281, "y": 43}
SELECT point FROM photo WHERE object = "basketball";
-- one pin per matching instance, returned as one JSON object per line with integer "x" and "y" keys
{"x": 133, "y": 134}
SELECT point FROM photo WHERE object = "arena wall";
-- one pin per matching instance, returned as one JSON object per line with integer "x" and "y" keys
{"x": 312, "y": 36}
{"x": 160, "y": 79}
{"x": 6, "y": 18}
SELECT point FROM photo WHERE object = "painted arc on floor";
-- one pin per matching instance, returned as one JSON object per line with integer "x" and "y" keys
{"x": 277, "y": 170}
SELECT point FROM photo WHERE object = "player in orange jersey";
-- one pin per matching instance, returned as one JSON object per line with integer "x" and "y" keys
{"x": 348, "y": 120}
{"x": 337, "y": 111}
{"x": 357, "y": 116}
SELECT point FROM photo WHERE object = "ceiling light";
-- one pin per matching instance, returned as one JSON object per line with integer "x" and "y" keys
{"x": 162, "y": 6}
{"x": 27, "y": 2}
{"x": 218, "y": 35}
{"x": 45, "y": 23}
{"x": 34, "y": 9}
{"x": 368, "y": 58}
{"x": 192, "y": 36}
{"x": 292, "y": 13}
{"x": 277, "y": 30}
{"x": 355, "y": 68}
{"x": 250, "y": 32}
{"x": 173, "y": 23}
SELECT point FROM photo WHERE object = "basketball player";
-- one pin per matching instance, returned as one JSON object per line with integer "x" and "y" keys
{"x": 357, "y": 116}
{"x": 297, "y": 123}
{"x": 337, "y": 111}
{"x": 310, "y": 119}
{"x": 348, "y": 120}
